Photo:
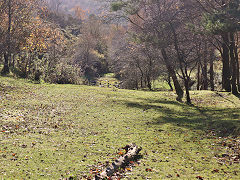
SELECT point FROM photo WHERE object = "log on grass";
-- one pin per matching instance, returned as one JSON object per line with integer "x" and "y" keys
{"x": 131, "y": 152}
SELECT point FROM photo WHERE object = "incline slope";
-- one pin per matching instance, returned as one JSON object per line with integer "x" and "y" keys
{"x": 62, "y": 131}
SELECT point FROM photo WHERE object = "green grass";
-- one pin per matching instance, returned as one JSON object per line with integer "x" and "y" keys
{"x": 160, "y": 84}
{"x": 108, "y": 81}
{"x": 59, "y": 131}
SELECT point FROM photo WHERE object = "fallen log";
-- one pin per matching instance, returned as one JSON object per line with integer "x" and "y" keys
{"x": 131, "y": 152}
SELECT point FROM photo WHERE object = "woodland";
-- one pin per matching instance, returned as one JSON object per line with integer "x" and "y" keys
{"x": 106, "y": 74}
{"x": 190, "y": 44}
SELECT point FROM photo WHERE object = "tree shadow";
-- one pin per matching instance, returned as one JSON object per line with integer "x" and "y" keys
{"x": 223, "y": 121}
{"x": 237, "y": 95}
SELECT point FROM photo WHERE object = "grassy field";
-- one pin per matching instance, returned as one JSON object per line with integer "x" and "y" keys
{"x": 65, "y": 131}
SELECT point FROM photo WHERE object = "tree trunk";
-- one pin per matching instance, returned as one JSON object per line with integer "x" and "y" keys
{"x": 205, "y": 78}
{"x": 141, "y": 83}
{"x": 149, "y": 84}
{"x": 181, "y": 61}
{"x": 233, "y": 65}
{"x": 7, "y": 55}
{"x": 186, "y": 83}
{"x": 169, "y": 82}
{"x": 132, "y": 152}
{"x": 136, "y": 83}
{"x": 238, "y": 73}
{"x": 142, "y": 74}
{"x": 5, "y": 69}
{"x": 25, "y": 75}
{"x": 226, "y": 84}
{"x": 198, "y": 76}
{"x": 172, "y": 73}
{"x": 237, "y": 66}
{"x": 212, "y": 70}
{"x": 187, "y": 91}
{"x": 149, "y": 74}
{"x": 13, "y": 61}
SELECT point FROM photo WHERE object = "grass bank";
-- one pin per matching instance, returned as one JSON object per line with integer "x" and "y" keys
{"x": 61, "y": 131}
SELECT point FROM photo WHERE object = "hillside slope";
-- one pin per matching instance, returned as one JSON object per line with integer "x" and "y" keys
{"x": 60, "y": 131}
{"x": 88, "y": 5}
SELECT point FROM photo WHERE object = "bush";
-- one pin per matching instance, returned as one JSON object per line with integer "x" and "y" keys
{"x": 64, "y": 74}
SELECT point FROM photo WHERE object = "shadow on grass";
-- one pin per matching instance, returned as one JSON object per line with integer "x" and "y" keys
{"x": 237, "y": 95}
{"x": 224, "y": 121}
{"x": 7, "y": 89}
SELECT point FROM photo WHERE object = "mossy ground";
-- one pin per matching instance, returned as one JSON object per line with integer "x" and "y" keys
{"x": 61, "y": 131}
